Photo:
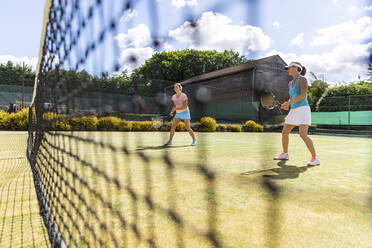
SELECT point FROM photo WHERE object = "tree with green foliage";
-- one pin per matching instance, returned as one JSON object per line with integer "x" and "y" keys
{"x": 357, "y": 96}
{"x": 369, "y": 73}
{"x": 165, "y": 68}
{"x": 116, "y": 83}
{"x": 316, "y": 90}
{"x": 158, "y": 72}
{"x": 359, "y": 88}
{"x": 14, "y": 74}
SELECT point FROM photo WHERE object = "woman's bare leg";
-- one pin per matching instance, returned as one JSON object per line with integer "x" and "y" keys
{"x": 173, "y": 128}
{"x": 309, "y": 143}
{"x": 285, "y": 136}
{"x": 188, "y": 128}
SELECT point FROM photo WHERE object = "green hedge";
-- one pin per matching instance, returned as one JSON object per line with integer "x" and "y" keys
{"x": 221, "y": 128}
{"x": 353, "y": 97}
{"x": 207, "y": 124}
{"x": 236, "y": 128}
{"x": 110, "y": 123}
{"x": 251, "y": 126}
{"x": 14, "y": 121}
{"x": 19, "y": 121}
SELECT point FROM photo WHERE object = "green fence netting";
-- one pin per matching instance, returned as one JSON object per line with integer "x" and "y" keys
{"x": 359, "y": 118}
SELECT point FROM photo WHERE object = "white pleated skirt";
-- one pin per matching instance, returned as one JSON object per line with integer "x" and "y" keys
{"x": 299, "y": 116}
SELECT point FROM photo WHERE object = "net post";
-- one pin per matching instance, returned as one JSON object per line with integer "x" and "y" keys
{"x": 48, "y": 5}
{"x": 55, "y": 236}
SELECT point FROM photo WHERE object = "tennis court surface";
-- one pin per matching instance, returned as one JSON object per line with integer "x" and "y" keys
{"x": 137, "y": 193}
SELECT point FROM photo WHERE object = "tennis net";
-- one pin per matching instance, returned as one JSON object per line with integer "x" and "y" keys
{"x": 105, "y": 189}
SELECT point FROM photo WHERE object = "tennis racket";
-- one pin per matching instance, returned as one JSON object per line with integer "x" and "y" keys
{"x": 158, "y": 121}
{"x": 269, "y": 101}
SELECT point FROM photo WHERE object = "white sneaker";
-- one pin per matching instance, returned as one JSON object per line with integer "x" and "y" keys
{"x": 282, "y": 156}
{"x": 194, "y": 142}
{"x": 314, "y": 161}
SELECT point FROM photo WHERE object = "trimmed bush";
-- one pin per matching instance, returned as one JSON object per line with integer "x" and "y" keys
{"x": 147, "y": 126}
{"x": 165, "y": 127}
{"x": 221, "y": 128}
{"x": 21, "y": 119}
{"x": 3, "y": 116}
{"x": 208, "y": 124}
{"x": 236, "y": 128}
{"x": 110, "y": 123}
{"x": 63, "y": 125}
{"x": 7, "y": 121}
{"x": 258, "y": 128}
{"x": 88, "y": 123}
{"x": 56, "y": 122}
{"x": 14, "y": 121}
{"x": 136, "y": 126}
{"x": 126, "y": 127}
{"x": 180, "y": 126}
{"x": 249, "y": 126}
{"x": 76, "y": 123}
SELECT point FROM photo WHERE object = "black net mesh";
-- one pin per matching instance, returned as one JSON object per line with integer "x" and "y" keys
{"x": 108, "y": 189}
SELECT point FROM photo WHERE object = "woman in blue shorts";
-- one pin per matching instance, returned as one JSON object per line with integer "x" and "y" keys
{"x": 180, "y": 105}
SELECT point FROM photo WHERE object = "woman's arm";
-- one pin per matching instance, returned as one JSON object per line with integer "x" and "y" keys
{"x": 286, "y": 104}
{"x": 173, "y": 109}
{"x": 185, "y": 104}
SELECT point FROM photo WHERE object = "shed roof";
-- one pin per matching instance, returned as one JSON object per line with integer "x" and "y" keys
{"x": 231, "y": 70}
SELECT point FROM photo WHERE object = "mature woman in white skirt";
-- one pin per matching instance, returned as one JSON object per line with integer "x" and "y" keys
{"x": 299, "y": 114}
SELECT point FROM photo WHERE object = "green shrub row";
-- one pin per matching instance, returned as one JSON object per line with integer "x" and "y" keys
{"x": 14, "y": 121}
{"x": 19, "y": 121}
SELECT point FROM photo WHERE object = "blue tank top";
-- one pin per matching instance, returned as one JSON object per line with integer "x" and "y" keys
{"x": 294, "y": 92}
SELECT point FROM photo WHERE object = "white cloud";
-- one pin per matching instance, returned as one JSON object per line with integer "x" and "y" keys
{"x": 167, "y": 47}
{"x": 298, "y": 40}
{"x": 347, "y": 32}
{"x": 367, "y": 8}
{"x": 216, "y": 31}
{"x": 18, "y": 60}
{"x": 128, "y": 15}
{"x": 276, "y": 24}
{"x": 140, "y": 54}
{"x": 344, "y": 63}
{"x": 135, "y": 44}
{"x": 136, "y": 37}
{"x": 183, "y": 3}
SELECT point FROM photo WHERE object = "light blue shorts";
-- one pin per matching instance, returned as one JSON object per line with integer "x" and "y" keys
{"x": 185, "y": 115}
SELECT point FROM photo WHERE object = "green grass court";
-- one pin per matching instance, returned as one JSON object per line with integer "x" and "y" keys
{"x": 324, "y": 206}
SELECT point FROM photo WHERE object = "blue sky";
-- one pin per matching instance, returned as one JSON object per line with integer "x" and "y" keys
{"x": 332, "y": 38}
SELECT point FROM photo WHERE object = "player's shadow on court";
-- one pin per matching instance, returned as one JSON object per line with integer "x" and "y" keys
{"x": 143, "y": 148}
{"x": 283, "y": 172}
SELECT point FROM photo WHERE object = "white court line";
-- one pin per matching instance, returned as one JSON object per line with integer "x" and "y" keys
{"x": 15, "y": 157}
